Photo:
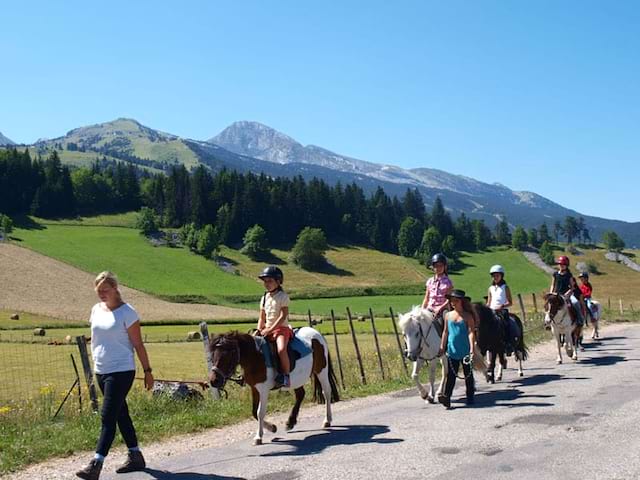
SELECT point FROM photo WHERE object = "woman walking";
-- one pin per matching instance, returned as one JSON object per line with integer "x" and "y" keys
{"x": 115, "y": 334}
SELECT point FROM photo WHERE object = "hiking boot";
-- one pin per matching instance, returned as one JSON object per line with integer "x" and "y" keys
{"x": 445, "y": 401}
{"x": 91, "y": 471}
{"x": 134, "y": 463}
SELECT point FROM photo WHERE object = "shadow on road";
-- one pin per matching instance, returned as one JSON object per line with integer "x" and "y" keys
{"x": 538, "y": 379}
{"x": 347, "y": 435}
{"x": 603, "y": 361}
{"x": 507, "y": 398}
{"x": 164, "y": 475}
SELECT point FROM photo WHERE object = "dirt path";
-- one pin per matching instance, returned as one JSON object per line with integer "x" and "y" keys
{"x": 34, "y": 283}
{"x": 185, "y": 445}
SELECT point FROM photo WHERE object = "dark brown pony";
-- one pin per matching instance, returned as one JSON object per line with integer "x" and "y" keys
{"x": 235, "y": 349}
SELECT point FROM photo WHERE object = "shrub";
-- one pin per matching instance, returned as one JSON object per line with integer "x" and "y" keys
{"x": 546, "y": 253}
{"x": 309, "y": 249}
{"x": 255, "y": 243}
{"x": 147, "y": 222}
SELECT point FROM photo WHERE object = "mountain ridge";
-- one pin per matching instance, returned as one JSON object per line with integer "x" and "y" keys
{"x": 254, "y": 147}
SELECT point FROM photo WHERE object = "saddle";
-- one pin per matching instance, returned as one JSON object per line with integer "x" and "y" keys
{"x": 296, "y": 349}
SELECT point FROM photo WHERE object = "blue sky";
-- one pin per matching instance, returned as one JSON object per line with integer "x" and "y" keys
{"x": 540, "y": 96}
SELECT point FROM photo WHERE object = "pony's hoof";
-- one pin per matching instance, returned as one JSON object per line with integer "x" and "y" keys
{"x": 521, "y": 374}
{"x": 272, "y": 428}
{"x": 430, "y": 399}
{"x": 559, "y": 361}
{"x": 575, "y": 357}
{"x": 424, "y": 395}
{"x": 257, "y": 441}
{"x": 326, "y": 424}
{"x": 289, "y": 426}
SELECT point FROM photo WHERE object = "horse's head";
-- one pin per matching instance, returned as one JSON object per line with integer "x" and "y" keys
{"x": 412, "y": 325}
{"x": 225, "y": 357}
{"x": 553, "y": 303}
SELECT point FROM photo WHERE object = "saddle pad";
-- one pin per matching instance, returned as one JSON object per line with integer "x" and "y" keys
{"x": 296, "y": 349}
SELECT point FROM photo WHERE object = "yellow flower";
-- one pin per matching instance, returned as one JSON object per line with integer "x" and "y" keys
{"x": 46, "y": 390}
{"x": 4, "y": 410}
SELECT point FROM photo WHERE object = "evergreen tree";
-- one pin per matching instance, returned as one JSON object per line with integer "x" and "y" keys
{"x": 570, "y": 228}
{"x": 146, "y": 221}
{"x": 612, "y": 241}
{"x": 502, "y": 235}
{"x": 543, "y": 234}
{"x": 464, "y": 233}
{"x": 413, "y": 205}
{"x": 519, "y": 240}
{"x": 441, "y": 219}
{"x": 431, "y": 244}
{"x": 409, "y": 237}
{"x": 481, "y": 234}
{"x": 557, "y": 231}
{"x": 532, "y": 238}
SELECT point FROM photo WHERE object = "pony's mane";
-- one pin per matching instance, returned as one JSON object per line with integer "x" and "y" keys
{"x": 414, "y": 315}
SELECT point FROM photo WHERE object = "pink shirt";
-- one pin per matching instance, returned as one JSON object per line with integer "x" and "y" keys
{"x": 438, "y": 288}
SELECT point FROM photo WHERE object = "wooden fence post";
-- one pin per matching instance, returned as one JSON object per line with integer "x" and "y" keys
{"x": 609, "y": 302}
{"x": 535, "y": 303}
{"x": 309, "y": 315}
{"x": 395, "y": 329}
{"x": 375, "y": 337}
{"x": 204, "y": 330}
{"x": 88, "y": 374}
{"x": 524, "y": 313}
{"x": 355, "y": 344}
{"x": 621, "y": 309}
{"x": 335, "y": 337}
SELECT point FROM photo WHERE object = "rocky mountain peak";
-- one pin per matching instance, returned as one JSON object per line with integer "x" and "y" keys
{"x": 6, "y": 141}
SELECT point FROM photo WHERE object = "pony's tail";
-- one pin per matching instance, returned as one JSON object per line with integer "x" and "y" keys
{"x": 521, "y": 348}
{"x": 318, "y": 395}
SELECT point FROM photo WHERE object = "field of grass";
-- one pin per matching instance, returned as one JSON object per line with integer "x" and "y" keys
{"x": 160, "y": 271}
{"x": 126, "y": 220}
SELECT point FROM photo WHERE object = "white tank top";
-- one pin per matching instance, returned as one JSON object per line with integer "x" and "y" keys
{"x": 498, "y": 296}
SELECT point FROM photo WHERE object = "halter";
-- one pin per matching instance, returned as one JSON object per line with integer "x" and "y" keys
{"x": 228, "y": 376}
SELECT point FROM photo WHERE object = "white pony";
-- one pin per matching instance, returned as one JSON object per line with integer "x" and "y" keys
{"x": 596, "y": 315}
{"x": 423, "y": 344}
{"x": 556, "y": 314}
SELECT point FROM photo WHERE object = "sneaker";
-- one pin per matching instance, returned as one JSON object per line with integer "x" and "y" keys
{"x": 282, "y": 380}
{"x": 134, "y": 463}
{"x": 91, "y": 471}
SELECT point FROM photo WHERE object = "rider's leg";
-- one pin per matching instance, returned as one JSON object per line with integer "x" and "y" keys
{"x": 281, "y": 342}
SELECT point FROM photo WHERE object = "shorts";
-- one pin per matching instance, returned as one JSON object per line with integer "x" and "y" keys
{"x": 284, "y": 331}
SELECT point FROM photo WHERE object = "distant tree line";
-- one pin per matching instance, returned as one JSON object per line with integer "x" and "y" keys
{"x": 230, "y": 204}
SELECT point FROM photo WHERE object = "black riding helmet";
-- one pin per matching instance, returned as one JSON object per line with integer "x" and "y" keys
{"x": 438, "y": 258}
{"x": 583, "y": 275}
{"x": 272, "y": 272}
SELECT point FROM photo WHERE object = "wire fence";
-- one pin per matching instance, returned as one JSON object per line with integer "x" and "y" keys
{"x": 39, "y": 372}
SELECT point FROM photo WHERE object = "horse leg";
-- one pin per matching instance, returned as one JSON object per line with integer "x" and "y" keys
{"x": 492, "y": 367}
{"x": 557, "y": 335}
{"x": 293, "y": 416}
{"x": 432, "y": 378}
{"x": 323, "y": 378}
{"x": 443, "y": 380}
{"x": 575, "y": 346}
{"x": 263, "y": 397}
{"x": 415, "y": 375}
{"x": 502, "y": 365}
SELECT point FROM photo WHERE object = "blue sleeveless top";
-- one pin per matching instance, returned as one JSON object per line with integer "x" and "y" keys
{"x": 458, "y": 340}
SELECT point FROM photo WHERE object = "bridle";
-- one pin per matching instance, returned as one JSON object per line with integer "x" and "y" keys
{"x": 224, "y": 343}
{"x": 423, "y": 338}
{"x": 553, "y": 317}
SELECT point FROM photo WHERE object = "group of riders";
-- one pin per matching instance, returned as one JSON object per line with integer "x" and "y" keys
{"x": 454, "y": 320}
{"x": 456, "y": 323}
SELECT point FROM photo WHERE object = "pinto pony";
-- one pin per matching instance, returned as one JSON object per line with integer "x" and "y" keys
{"x": 423, "y": 343}
{"x": 233, "y": 349}
{"x": 595, "y": 312}
{"x": 491, "y": 338}
{"x": 557, "y": 314}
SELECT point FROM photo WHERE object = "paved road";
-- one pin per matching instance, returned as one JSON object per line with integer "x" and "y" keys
{"x": 572, "y": 421}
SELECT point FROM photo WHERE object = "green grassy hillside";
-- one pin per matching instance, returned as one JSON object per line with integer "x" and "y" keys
{"x": 361, "y": 278}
